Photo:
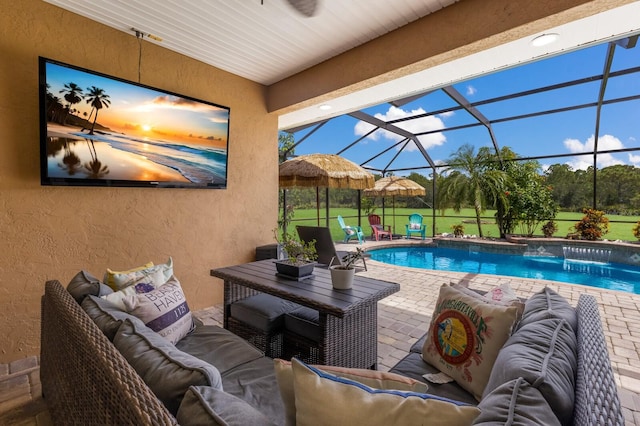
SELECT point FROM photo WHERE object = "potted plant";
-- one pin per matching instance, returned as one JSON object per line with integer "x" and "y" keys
{"x": 342, "y": 275}
{"x": 300, "y": 257}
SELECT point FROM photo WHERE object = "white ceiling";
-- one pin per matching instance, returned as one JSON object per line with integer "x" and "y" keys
{"x": 271, "y": 41}
{"x": 262, "y": 42}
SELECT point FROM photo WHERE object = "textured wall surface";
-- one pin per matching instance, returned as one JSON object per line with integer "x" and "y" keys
{"x": 53, "y": 232}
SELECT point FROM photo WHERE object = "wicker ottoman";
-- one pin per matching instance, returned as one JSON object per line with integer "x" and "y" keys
{"x": 302, "y": 335}
{"x": 259, "y": 319}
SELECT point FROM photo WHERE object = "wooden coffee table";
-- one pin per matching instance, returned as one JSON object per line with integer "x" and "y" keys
{"x": 348, "y": 318}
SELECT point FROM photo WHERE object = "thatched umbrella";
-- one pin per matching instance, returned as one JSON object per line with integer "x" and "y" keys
{"x": 391, "y": 186}
{"x": 323, "y": 171}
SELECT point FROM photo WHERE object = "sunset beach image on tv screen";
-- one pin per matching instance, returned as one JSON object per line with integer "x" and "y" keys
{"x": 101, "y": 130}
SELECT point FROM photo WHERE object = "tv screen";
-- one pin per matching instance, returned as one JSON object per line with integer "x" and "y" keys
{"x": 105, "y": 131}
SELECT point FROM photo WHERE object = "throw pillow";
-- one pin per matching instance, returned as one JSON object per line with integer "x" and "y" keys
{"x": 415, "y": 226}
{"x": 114, "y": 278}
{"x": 515, "y": 403}
{"x": 119, "y": 280}
{"x": 465, "y": 335}
{"x": 204, "y": 405}
{"x": 144, "y": 284}
{"x": 84, "y": 284}
{"x": 502, "y": 293}
{"x": 166, "y": 370}
{"x": 372, "y": 378}
{"x": 325, "y": 399}
{"x": 164, "y": 310}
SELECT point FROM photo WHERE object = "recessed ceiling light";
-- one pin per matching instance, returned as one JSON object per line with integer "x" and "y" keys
{"x": 325, "y": 107}
{"x": 545, "y": 39}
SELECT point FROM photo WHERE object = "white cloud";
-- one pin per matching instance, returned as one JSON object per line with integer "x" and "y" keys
{"x": 605, "y": 142}
{"x": 446, "y": 114}
{"x": 635, "y": 159}
{"x": 471, "y": 90}
{"x": 418, "y": 125}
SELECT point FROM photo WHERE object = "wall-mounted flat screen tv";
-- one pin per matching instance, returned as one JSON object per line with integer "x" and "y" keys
{"x": 100, "y": 130}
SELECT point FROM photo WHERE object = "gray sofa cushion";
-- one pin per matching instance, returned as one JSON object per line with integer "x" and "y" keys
{"x": 204, "y": 405}
{"x": 414, "y": 366}
{"x": 255, "y": 382}
{"x": 544, "y": 354}
{"x": 107, "y": 316}
{"x": 262, "y": 311}
{"x": 548, "y": 304}
{"x": 84, "y": 284}
{"x": 418, "y": 345}
{"x": 166, "y": 370}
{"x": 515, "y": 402}
{"x": 218, "y": 347}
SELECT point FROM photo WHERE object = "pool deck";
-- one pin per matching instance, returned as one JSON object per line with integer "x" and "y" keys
{"x": 405, "y": 316}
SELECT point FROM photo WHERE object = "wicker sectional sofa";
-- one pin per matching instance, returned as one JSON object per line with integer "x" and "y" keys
{"x": 86, "y": 380}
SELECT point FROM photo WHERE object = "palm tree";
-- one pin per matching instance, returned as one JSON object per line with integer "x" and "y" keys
{"x": 94, "y": 168}
{"x": 98, "y": 100}
{"x": 70, "y": 162}
{"x": 73, "y": 95}
{"x": 470, "y": 180}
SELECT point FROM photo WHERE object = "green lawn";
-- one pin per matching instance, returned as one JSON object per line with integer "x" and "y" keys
{"x": 620, "y": 227}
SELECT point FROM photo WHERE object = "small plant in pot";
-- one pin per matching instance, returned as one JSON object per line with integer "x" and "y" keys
{"x": 300, "y": 257}
{"x": 342, "y": 274}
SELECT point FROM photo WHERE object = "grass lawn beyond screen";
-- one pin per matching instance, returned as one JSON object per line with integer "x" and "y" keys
{"x": 620, "y": 227}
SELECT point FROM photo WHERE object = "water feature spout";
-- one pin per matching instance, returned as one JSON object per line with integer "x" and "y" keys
{"x": 586, "y": 254}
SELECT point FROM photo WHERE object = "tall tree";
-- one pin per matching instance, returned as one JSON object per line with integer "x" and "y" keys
{"x": 286, "y": 142}
{"x": 470, "y": 179}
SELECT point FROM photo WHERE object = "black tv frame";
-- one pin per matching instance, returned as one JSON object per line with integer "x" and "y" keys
{"x": 69, "y": 155}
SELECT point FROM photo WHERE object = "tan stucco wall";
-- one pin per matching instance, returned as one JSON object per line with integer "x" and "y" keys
{"x": 53, "y": 232}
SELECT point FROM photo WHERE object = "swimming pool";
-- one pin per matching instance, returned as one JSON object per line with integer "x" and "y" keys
{"x": 612, "y": 276}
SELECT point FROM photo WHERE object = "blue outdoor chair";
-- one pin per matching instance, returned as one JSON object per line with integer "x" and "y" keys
{"x": 415, "y": 225}
{"x": 350, "y": 231}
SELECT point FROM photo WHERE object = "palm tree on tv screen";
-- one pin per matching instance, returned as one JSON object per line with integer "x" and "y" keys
{"x": 73, "y": 95}
{"x": 98, "y": 99}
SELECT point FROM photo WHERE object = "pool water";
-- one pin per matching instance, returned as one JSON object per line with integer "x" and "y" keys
{"x": 612, "y": 276}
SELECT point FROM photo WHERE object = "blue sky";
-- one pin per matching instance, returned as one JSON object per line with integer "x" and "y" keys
{"x": 561, "y": 133}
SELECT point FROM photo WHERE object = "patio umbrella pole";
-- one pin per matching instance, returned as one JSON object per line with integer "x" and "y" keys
{"x": 393, "y": 200}
{"x": 284, "y": 212}
{"x": 382, "y": 211}
{"x": 318, "y": 204}
{"x": 326, "y": 205}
